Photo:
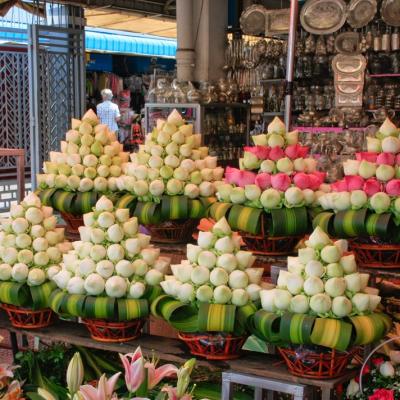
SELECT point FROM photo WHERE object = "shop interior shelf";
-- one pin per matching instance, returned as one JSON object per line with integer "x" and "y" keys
{"x": 326, "y": 129}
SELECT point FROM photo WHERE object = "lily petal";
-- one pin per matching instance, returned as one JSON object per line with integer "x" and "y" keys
{"x": 155, "y": 375}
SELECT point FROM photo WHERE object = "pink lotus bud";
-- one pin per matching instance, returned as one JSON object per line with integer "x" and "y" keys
{"x": 261, "y": 152}
{"x": 302, "y": 180}
{"x": 398, "y": 159}
{"x": 303, "y": 151}
{"x": 263, "y": 180}
{"x": 280, "y": 181}
{"x": 385, "y": 158}
{"x": 372, "y": 186}
{"x": 292, "y": 151}
{"x": 276, "y": 153}
{"x": 246, "y": 178}
{"x": 315, "y": 181}
{"x": 393, "y": 187}
{"x": 339, "y": 186}
{"x": 320, "y": 175}
{"x": 232, "y": 175}
{"x": 354, "y": 182}
{"x": 366, "y": 156}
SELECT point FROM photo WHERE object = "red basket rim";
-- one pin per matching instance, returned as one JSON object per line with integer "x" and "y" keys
{"x": 199, "y": 345}
{"x": 26, "y": 318}
{"x": 106, "y": 331}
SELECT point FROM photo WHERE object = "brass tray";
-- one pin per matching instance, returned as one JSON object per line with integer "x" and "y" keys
{"x": 390, "y": 12}
{"x": 253, "y": 20}
{"x": 361, "y": 12}
{"x": 323, "y": 17}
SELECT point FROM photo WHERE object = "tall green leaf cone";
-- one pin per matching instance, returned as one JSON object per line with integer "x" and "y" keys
{"x": 31, "y": 250}
{"x": 112, "y": 272}
{"x": 321, "y": 299}
{"x": 215, "y": 290}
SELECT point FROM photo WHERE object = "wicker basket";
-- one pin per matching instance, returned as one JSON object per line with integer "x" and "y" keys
{"x": 114, "y": 332}
{"x": 372, "y": 255}
{"x": 73, "y": 223}
{"x": 213, "y": 346}
{"x": 176, "y": 231}
{"x": 28, "y": 319}
{"x": 263, "y": 244}
{"x": 317, "y": 363}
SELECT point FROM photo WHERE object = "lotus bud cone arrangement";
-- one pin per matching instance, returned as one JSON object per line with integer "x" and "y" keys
{"x": 215, "y": 289}
{"x": 113, "y": 272}
{"x": 277, "y": 180}
{"x": 172, "y": 176}
{"x": 321, "y": 299}
{"x": 88, "y": 165}
{"x": 365, "y": 203}
{"x": 31, "y": 250}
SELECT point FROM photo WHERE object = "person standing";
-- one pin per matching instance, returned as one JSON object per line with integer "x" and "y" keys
{"x": 108, "y": 112}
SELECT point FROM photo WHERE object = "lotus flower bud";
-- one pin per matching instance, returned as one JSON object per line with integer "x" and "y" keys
{"x": 387, "y": 370}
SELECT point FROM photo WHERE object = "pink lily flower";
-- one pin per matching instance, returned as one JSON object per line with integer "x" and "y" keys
{"x": 263, "y": 180}
{"x": 393, "y": 187}
{"x": 372, "y": 186}
{"x": 385, "y": 158}
{"x": 280, "y": 181}
{"x": 366, "y": 156}
{"x": 302, "y": 180}
{"x": 6, "y": 371}
{"x": 104, "y": 390}
{"x": 155, "y": 375}
{"x": 354, "y": 182}
{"x": 134, "y": 369}
{"x": 339, "y": 186}
{"x": 173, "y": 395}
{"x": 276, "y": 153}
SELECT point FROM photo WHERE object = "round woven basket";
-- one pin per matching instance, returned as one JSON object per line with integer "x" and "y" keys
{"x": 373, "y": 255}
{"x": 266, "y": 245}
{"x": 114, "y": 332}
{"x": 317, "y": 363}
{"x": 73, "y": 222}
{"x": 28, "y": 319}
{"x": 175, "y": 231}
{"x": 213, "y": 346}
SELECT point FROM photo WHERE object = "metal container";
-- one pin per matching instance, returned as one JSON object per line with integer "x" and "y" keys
{"x": 395, "y": 40}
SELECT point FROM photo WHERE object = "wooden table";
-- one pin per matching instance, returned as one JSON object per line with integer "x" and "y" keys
{"x": 257, "y": 365}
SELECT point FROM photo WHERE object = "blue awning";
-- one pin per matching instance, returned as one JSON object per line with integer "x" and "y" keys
{"x": 105, "y": 41}
{"x": 102, "y": 40}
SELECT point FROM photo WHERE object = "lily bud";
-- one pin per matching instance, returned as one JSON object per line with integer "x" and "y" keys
{"x": 75, "y": 373}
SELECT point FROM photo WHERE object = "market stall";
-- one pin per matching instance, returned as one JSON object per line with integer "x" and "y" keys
{"x": 169, "y": 247}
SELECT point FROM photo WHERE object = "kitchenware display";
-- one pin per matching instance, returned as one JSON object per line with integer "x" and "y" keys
{"x": 323, "y": 17}
{"x": 348, "y": 43}
{"x": 361, "y": 12}
{"x": 390, "y": 12}
{"x": 277, "y": 22}
{"x": 253, "y": 20}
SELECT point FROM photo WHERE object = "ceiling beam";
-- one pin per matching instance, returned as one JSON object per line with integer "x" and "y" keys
{"x": 146, "y": 7}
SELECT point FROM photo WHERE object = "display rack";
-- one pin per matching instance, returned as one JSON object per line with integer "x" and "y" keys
{"x": 224, "y": 127}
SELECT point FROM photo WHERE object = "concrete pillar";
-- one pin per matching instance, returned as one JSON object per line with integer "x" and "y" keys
{"x": 185, "y": 54}
{"x": 210, "y": 19}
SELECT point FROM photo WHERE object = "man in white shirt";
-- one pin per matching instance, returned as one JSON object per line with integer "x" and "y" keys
{"x": 108, "y": 112}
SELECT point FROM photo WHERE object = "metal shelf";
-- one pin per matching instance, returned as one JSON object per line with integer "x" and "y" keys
{"x": 272, "y": 113}
{"x": 384, "y": 75}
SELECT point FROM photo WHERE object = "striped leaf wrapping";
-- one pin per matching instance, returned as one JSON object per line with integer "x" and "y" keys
{"x": 265, "y": 325}
{"x": 216, "y": 317}
{"x": 350, "y": 223}
{"x": 46, "y": 196}
{"x": 218, "y": 210}
{"x": 41, "y": 294}
{"x": 196, "y": 209}
{"x": 296, "y": 328}
{"x": 126, "y": 201}
{"x": 98, "y": 307}
{"x": 174, "y": 207}
{"x": 147, "y": 213}
{"x": 183, "y": 317}
{"x": 64, "y": 201}
{"x": 325, "y": 221}
{"x": 247, "y": 219}
{"x": 17, "y": 294}
{"x": 289, "y": 221}
{"x": 84, "y": 202}
{"x": 331, "y": 333}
